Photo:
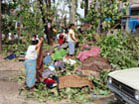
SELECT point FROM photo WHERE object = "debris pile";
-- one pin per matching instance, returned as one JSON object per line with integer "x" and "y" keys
{"x": 67, "y": 77}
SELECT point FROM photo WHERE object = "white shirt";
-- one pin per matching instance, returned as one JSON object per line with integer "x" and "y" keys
{"x": 31, "y": 53}
{"x": 57, "y": 36}
{"x": 69, "y": 39}
{"x": 44, "y": 36}
{"x": 16, "y": 36}
{"x": 10, "y": 36}
{"x": 64, "y": 34}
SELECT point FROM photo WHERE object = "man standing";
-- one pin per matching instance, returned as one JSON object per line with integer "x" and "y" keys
{"x": 71, "y": 40}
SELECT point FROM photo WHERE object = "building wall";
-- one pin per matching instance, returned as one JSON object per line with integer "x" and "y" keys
{"x": 134, "y": 1}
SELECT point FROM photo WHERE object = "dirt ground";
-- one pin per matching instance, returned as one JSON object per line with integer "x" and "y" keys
{"x": 9, "y": 90}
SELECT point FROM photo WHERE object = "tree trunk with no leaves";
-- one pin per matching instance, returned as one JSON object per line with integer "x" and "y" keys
{"x": 43, "y": 19}
{"x": 86, "y": 7}
{"x": 73, "y": 5}
{"x": 0, "y": 32}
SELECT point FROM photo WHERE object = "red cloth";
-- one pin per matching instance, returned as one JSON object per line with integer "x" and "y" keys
{"x": 61, "y": 39}
{"x": 49, "y": 81}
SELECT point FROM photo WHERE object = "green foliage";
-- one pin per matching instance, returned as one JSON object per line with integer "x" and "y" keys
{"x": 75, "y": 95}
{"x": 31, "y": 19}
{"x": 8, "y": 19}
{"x": 121, "y": 50}
{"x": 102, "y": 9}
{"x": 28, "y": 15}
{"x": 16, "y": 48}
{"x": 100, "y": 84}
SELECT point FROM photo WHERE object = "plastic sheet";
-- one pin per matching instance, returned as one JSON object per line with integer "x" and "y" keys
{"x": 86, "y": 54}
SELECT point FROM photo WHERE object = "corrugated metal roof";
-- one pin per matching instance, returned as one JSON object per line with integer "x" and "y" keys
{"x": 134, "y": 1}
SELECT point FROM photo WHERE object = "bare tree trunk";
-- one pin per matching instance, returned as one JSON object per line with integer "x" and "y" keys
{"x": 86, "y": 8}
{"x": 49, "y": 3}
{"x": 73, "y": 11}
{"x": 0, "y": 32}
{"x": 70, "y": 16}
{"x": 127, "y": 25}
{"x": 65, "y": 21}
{"x": 44, "y": 21}
{"x": 20, "y": 19}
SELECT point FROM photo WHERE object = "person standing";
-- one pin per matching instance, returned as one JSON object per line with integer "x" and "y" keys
{"x": 71, "y": 40}
{"x": 16, "y": 37}
{"x": 62, "y": 37}
{"x": 30, "y": 63}
{"x": 10, "y": 36}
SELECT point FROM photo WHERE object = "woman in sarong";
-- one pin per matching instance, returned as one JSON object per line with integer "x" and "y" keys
{"x": 30, "y": 63}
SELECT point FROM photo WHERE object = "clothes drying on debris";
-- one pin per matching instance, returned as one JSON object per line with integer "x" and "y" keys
{"x": 10, "y": 57}
{"x": 94, "y": 51}
{"x": 96, "y": 64}
{"x": 69, "y": 61}
{"x": 51, "y": 82}
{"x": 47, "y": 60}
{"x": 59, "y": 64}
{"x": 74, "y": 81}
{"x": 51, "y": 67}
{"x": 47, "y": 73}
{"x": 59, "y": 54}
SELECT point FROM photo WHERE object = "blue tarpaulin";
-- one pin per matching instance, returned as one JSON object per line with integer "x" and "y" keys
{"x": 10, "y": 57}
{"x": 108, "y": 19}
{"x": 133, "y": 22}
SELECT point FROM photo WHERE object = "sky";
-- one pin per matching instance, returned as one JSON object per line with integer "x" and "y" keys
{"x": 79, "y": 10}
{"x": 63, "y": 6}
